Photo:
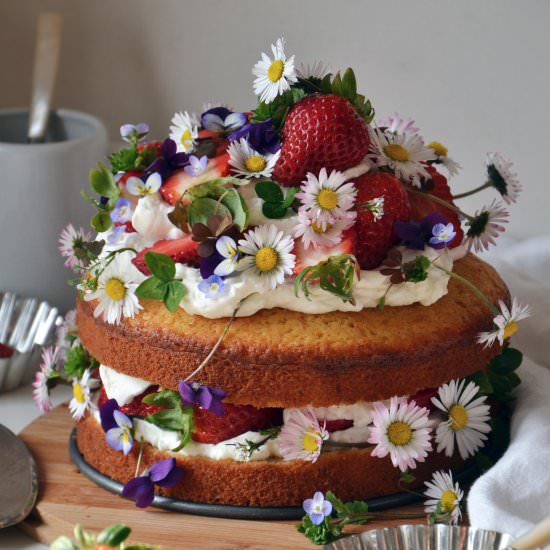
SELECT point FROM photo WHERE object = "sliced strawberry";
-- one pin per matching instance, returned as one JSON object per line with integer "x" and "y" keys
{"x": 121, "y": 182}
{"x": 128, "y": 227}
{"x": 422, "y": 205}
{"x": 237, "y": 419}
{"x": 136, "y": 407}
{"x": 179, "y": 182}
{"x": 156, "y": 144}
{"x": 375, "y": 236}
{"x": 313, "y": 256}
{"x": 182, "y": 251}
{"x": 424, "y": 398}
{"x": 337, "y": 425}
{"x": 5, "y": 351}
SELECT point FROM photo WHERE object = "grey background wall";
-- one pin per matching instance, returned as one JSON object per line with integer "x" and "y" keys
{"x": 474, "y": 74}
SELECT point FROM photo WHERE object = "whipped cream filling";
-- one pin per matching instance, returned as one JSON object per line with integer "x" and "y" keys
{"x": 124, "y": 388}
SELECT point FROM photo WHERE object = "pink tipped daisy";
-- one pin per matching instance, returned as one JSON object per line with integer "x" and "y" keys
{"x": 41, "y": 390}
{"x": 485, "y": 226}
{"x": 466, "y": 418}
{"x": 314, "y": 235}
{"x": 302, "y": 437}
{"x": 506, "y": 323}
{"x": 502, "y": 177}
{"x": 444, "y": 497}
{"x": 328, "y": 197}
{"x": 396, "y": 124}
{"x": 401, "y": 430}
{"x": 70, "y": 243}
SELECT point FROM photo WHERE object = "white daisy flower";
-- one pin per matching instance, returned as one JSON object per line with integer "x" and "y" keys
{"x": 396, "y": 124}
{"x": 506, "y": 323}
{"x": 442, "y": 154}
{"x": 403, "y": 153}
{"x": 82, "y": 400}
{"x": 401, "y": 430}
{"x": 314, "y": 235}
{"x": 136, "y": 186}
{"x": 70, "y": 241}
{"x": 302, "y": 436}
{"x": 115, "y": 291}
{"x": 267, "y": 255}
{"x": 248, "y": 162}
{"x": 328, "y": 198}
{"x": 274, "y": 76}
{"x": 485, "y": 226}
{"x": 317, "y": 70}
{"x": 502, "y": 178}
{"x": 184, "y": 131}
{"x": 444, "y": 494}
{"x": 466, "y": 419}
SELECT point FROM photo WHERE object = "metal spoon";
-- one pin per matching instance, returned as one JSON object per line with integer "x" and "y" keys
{"x": 46, "y": 58}
{"x": 18, "y": 479}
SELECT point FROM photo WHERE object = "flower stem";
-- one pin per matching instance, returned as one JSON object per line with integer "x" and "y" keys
{"x": 220, "y": 339}
{"x": 139, "y": 458}
{"x": 472, "y": 287}
{"x": 442, "y": 202}
{"x": 473, "y": 191}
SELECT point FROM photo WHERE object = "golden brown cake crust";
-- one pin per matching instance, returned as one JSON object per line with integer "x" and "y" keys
{"x": 351, "y": 474}
{"x": 281, "y": 358}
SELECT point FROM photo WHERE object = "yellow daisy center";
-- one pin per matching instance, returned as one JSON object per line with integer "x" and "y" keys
{"x": 448, "y": 501}
{"x": 439, "y": 149}
{"x": 186, "y": 137}
{"x": 310, "y": 441}
{"x": 459, "y": 417}
{"x": 510, "y": 329}
{"x": 267, "y": 259}
{"x": 319, "y": 229}
{"x": 399, "y": 433}
{"x": 327, "y": 199}
{"x": 396, "y": 152}
{"x": 255, "y": 163}
{"x": 275, "y": 71}
{"x": 115, "y": 289}
{"x": 79, "y": 394}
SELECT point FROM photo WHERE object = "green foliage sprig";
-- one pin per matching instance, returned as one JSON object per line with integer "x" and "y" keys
{"x": 278, "y": 108}
{"x": 103, "y": 183}
{"x": 275, "y": 204}
{"x": 78, "y": 361}
{"x": 162, "y": 285}
{"x": 132, "y": 158}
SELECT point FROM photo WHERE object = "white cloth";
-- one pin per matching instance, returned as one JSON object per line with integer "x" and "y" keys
{"x": 515, "y": 493}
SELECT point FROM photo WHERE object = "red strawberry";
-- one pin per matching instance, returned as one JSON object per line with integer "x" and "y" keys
{"x": 424, "y": 398}
{"x": 128, "y": 227}
{"x": 376, "y": 237}
{"x": 5, "y": 351}
{"x": 182, "y": 251}
{"x": 313, "y": 256}
{"x": 337, "y": 425}
{"x": 422, "y": 206}
{"x": 320, "y": 131}
{"x": 179, "y": 182}
{"x": 237, "y": 419}
{"x": 150, "y": 144}
{"x": 135, "y": 407}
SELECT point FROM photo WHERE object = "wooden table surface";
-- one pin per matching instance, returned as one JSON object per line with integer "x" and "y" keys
{"x": 68, "y": 497}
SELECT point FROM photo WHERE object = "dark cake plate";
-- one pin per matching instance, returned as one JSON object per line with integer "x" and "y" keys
{"x": 245, "y": 512}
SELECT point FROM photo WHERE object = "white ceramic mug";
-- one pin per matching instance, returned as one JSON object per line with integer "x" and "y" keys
{"x": 40, "y": 187}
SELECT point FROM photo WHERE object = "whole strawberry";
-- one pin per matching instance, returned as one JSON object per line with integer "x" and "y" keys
{"x": 381, "y": 200}
{"x": 320, "y": 131}
{"x": 422, "y": 205}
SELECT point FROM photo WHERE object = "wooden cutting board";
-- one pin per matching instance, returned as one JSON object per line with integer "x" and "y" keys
{"x": 67, "y": 497}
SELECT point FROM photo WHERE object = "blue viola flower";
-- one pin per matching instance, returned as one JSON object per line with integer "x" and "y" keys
{"x": 212, "y": 286}
{"x": 317, "y": 508}
{"x": 122, "y": 212}
{"x": 168, "y": 160}
{"x": 132, "y": 133}
{"x": 442, "y": 235}
{"x": 417, "y": 235}
{"x": 222, "y": 121}
{"x": 196, "y": 165}
{"x": 261, "y": 136}
{"x": 205, "y": 396}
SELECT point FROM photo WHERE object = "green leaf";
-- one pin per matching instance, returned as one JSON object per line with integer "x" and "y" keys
{"x": 161, "y": 265}
{"x": 357, "y": 507}
{"x": 113, "y": 535}
{"x": 482, "y": 380}
{"x": 101, "y": 221}
{"x": 289, "y": 199}
{"x": 63, "y": 543}
{"x": 123, "y": 160}
{"x": 273, "y": 210}
{"x": 175, "y": 291}
{"x": 507, "y": 362}
{"x": 103, "y": 183}
{"x": 269, "y": 191}
{"x": 349, "y": 85}
{"x": 164, "y": 398}
{"x": 228, "y": 181}
{"x": 407, "y": 477}
{"x": 152, "y": 288}
{"x": 337, "y": 85}
{"x": 416, "y": 271}
{"x": 202, "y": 208}
{"x": 237, "y": 206}
{"x": 337, "y": 504}
{"x": 324, "y": 533}
{"x": 77, "y": 361}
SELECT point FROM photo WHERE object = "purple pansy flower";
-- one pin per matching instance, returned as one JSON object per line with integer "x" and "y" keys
{"x": 106, "y": 414}
{"x": 212, "y": 286}
{"x": 120, "y": 437}
{"x": 222, "y": 121}
{"x": 261, "y": 136}
{"x": 163, "y": 473}
{"x": 442, "y": 235}
{"x": 134, "y": 132}
{"x": 196, "y": 165}
{"x": 209, "y": 264}
{"x": 416, "y": 235}
{"x": 317, "y": 508}
{"x": 168, "y": 160}
{"x": 204, "y": 396}
{"x": 122, "y": 212}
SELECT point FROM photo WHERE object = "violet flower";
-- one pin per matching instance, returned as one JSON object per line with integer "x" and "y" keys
{"x": 416, "y": 235}
{"x": 196, "y": 165}
{"x": 205, "y": 396}
{"x": 168, "y": 160}
{"x": 122, "y": 211}
{"x": 222, "y": 121}
{"x": 132, "y": 133}
{"x": 163, "y": 473}
{"x": 209, "y": 264}
{"x": 120, "y": 438}
{"x": 261, "y": 136}
{"x": 317, "y": 508}
{"x": 106, "y": 414}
